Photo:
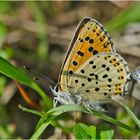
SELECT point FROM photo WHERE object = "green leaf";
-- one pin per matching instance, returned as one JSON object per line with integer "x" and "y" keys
{"x": 106, "y": 132}
{"x": 14, "y": 73}
{"x": 49, "y": 116}
{"x": 60, "y": 110}
{"x": 55, "y": 112}
{"x": 80, "y": 131}
{"x": 92, "y": 131}
{"x": 112, "y": 120}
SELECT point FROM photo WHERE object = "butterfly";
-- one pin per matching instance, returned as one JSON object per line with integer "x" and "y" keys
{"x": 92, "y": 72}
{"x": 136, "y": 74}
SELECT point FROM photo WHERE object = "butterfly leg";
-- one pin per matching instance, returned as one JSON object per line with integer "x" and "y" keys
{"x": 71, "y": 100}
{"x": 87, "y": 106}
{"x": 55, "y": 101}
{"x": 96, "y": 106}
{"x": 78, "y": 99}
{"x": 59, "y": 99}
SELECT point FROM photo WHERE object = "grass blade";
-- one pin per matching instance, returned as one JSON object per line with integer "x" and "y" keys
{"x": 131, "y": 114}
{"x": 30, "y": 110}
{"x": 129, "y": 15}
{"x": 55, "y": 112}
{"x": 39, "y": 131}
{"x": 14, "y": 73}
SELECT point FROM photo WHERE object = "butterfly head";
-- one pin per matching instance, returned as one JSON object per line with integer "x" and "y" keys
{"x": 56, "y": 88}
{"x": 64, "y": 97}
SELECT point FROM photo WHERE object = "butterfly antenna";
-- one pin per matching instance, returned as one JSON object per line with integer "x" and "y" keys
{"x": 40, "y": 75}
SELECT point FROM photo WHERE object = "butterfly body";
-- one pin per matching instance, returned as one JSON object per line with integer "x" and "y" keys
{"x": 92, "y": 72}
{"x": 67, "y": 98}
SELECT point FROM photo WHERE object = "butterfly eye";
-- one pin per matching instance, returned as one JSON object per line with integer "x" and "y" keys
{"x": 56, "y": 88}
{"x": 137, "y": 75}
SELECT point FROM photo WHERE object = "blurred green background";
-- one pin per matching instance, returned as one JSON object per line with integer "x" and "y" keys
{"x": 37, "y": 34}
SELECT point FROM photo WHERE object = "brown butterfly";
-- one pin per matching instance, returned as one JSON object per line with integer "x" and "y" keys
{"x": 92, "y": 72}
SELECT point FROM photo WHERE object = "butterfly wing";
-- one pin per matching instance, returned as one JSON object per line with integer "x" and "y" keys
{"x": 89, "y": 39}
{"x": 105, "y": 75}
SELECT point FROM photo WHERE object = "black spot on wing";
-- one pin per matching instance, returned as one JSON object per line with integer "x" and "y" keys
{"x": 95, "y": 52}
{"x": 82, "y": 71}
{"x": 80, "y": 53}
{"x": 70, "y": 72}
{"x": 90, "y": 49}
{"x": 75, "y": 63}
